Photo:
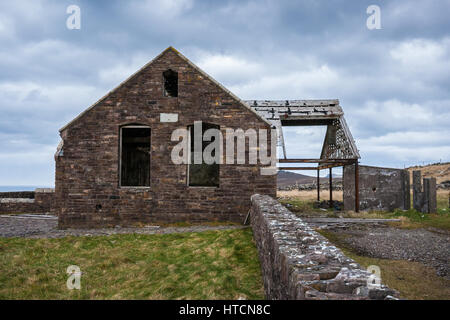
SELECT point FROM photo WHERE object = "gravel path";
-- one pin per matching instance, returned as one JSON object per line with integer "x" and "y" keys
{"x": 45, "y": 226}
{"x": 431, "y": 248}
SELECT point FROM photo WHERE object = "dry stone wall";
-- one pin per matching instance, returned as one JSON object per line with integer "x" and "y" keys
{"x": 299, "y": 263}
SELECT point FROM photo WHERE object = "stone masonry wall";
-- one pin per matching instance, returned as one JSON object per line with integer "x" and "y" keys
{"x": 44, "y": 198}
{"x": 38, "y": 201}
{"x": 17, "y": 194}
{"x": 424, "y": 198}
{"x": 299, "y": 263}
{"x": 379, "y": 188}
{"x": 87, "y": 168}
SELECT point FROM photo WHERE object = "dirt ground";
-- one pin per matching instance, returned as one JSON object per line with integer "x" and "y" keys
{"x": 430, "y": 247}
{"x": 325, "y": 194}
{"x": 310, "y": 194}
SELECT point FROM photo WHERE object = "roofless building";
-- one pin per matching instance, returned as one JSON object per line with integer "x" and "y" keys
{"x": 114, "y": 165}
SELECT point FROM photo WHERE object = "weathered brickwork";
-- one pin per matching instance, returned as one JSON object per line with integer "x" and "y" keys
{"x": 299, "y": 263}
{"x": 87, "y": 166}
{"x": 17, "y": 194}
{"x": 38, "y": 201}
{"x": 379, "y": 188}
{"x": 18, "y": 205}
{"x": 44, "y": 198}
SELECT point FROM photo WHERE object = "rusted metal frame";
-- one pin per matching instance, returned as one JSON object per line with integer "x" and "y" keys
{"x": 318, "y": 184}
{"x": 319, "y": 103}
{"x": 344, "y": 142}
{"x": 313, "y": 160}
{"x": 281, "y": 141}
{"x": 331, "y": 188}
{"x": 333, "y": 165}
{"x": 298, "y": 168}
{"x": 284, "y": 116}
{"x": 349, "y": 137}
{"x": 324, "y": 145}
{"x": 280, "y": 136}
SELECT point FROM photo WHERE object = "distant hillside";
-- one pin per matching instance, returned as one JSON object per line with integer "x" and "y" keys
{"x": 287, "y": 178}
{"x": 439, "y": 171}
{"x": 335, "y": 176}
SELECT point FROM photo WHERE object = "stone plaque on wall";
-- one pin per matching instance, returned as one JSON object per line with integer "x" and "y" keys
{"x": 168, "y": 117}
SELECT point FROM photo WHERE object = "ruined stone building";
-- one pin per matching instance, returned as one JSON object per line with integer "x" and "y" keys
{"x": 113, "y": 165}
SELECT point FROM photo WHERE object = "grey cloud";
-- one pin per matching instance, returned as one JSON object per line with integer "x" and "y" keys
{"x": 393, "y": 83}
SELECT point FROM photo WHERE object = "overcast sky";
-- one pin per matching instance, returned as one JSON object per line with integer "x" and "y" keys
{"x": 393, "y": 83}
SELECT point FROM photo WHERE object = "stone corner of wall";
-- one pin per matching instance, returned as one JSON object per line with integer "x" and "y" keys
{"x": 299, "y": 263}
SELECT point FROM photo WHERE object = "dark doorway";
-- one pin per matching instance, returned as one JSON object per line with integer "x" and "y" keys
{"x": 135, "y": 156}
{"x": 202, "y": 175}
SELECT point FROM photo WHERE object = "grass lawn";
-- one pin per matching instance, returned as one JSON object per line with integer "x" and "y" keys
{"x": 413, "y": 279}
{"x": 206, "y": 265}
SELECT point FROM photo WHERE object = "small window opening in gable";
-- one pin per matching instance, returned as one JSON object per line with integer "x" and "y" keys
{"x": 170, "y": 83}
{"x": 135, "y": 156}
{"x": 202, "y": 175}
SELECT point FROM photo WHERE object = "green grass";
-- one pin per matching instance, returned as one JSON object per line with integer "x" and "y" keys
{"x": 442, "y": 203}
{"x": 412, "y": 279}
{"x": 409, "y": 218}
{"x": 415, "y": 219}
{"x": 300, "y": 206}
{"x": 206, "y": 265}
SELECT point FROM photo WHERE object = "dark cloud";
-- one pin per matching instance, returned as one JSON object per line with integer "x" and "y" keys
{"x": 393, "y": 83}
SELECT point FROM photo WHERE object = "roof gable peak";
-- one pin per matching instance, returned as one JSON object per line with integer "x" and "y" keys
{"x": 195, "y": 67}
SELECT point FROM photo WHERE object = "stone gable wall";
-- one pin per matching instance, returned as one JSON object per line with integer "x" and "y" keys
{"x": 299, "y": 263}
{"x": 87, "y": 172}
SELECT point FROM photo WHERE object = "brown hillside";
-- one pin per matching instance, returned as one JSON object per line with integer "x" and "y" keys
{"x": 439, "y": 171}
{"x": 287, "y": 178}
